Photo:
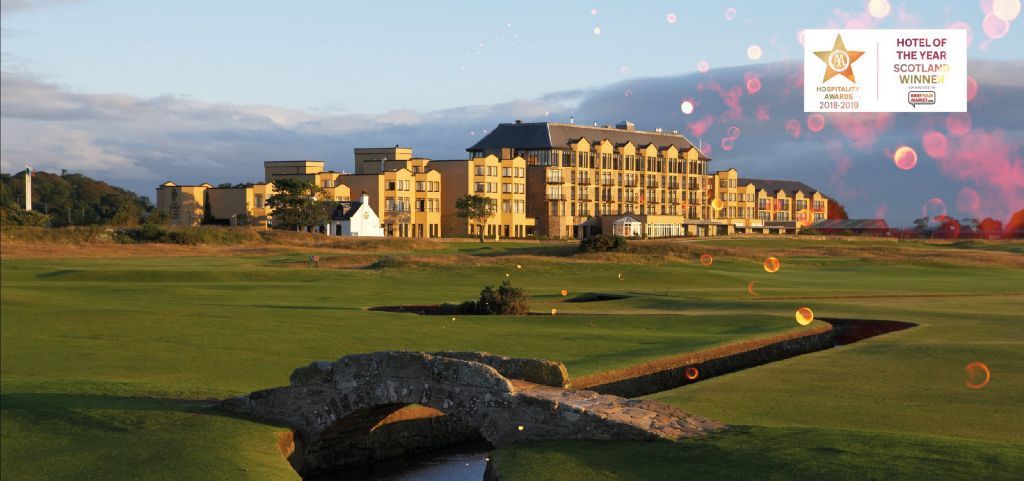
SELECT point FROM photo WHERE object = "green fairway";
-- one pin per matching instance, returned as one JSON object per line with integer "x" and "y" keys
{"x": 107, "y": 363}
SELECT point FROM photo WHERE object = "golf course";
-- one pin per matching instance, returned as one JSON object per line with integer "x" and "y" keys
{"x": 115, "y": 355}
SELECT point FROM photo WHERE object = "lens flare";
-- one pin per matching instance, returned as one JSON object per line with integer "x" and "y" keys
{"x": 519, "y": 266}
{"x": 716, "y": 204}
{"x": 1006, "y": 9}
{"x": 565, "y": 292}
{"x": 994, "y": 26}
{"x": 750, "y": 288}
{"x": 935, "y": 207}
{"x": 671, "y": 18}
{"x": 703, "y": 66}
{"x": 728, "y": 142}
{"x": 905, "y": 157}
{"x": 978, "y": 375}
{"x": 958, "y": 123}
{"x": 597, "y": 30}
{"x": 815, "y": 122}
{"x": 972, "y": 88}
{"x": 692, "y": 373}
{"x": 620, "y": 276}
{"x": 772, "y": 264}
{"x": 554, "y": 311}
{"x": 804, "y": 316}
{"x": 753, "y": 86}
{"x": 623, "y": 70}
{"x": 804, "y": 218}
{"x": 706, "y": 260}
{"x": 793, "y": 127}
{"x": 733, "y": 131}
{"x": 935, "y": 144}
{"x": 520, "y": 427}
{"x": 879, "y": 8}
{"x": 730, "y": 13}
{"x": 967, "y": 200}
{"x": 629, "y": 92}
{"x": 686, "y": 107}
{"x": 754, "y": 52}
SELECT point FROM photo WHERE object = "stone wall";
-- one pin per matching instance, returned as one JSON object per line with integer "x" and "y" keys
{"x": 538, "y": 371}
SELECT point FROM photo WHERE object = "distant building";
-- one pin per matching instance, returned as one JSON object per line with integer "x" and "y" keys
{"x": 356, "y": 219}
{"x": 184, "y": 204}
{"x": 500, "y": 179}
{"x": 854, "y": 226}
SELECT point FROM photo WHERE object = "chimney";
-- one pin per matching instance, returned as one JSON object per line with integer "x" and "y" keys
{"x": 364, "y": 198}
{"x": 657, "y": 129}
{"x": 382, "y": 164}
{"x": 674, "y": 131}
{"x": 572, "y": 119}
{"x": 595, "y": 123}
{"x": 518, "y": 121}
{"x": 625, "y": 125}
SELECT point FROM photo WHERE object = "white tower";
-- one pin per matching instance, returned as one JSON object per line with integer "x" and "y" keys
{"x": 28, "y": 188}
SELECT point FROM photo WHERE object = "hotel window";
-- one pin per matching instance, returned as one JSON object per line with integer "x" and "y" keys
{"x": 762, "y": 203}
{"x": 506, "y": 206}
{"x": 506, "y": 172}
{"x": 389, "y": 204}
{"x": 480, "y": 170}
{"x": 819, "y": 205}
{"x": 437, "y": 187}
{"x": 506, "y": 188}
{"x": 259, "y": 201}
{"x": 801, "y": 204}
{"x": 478, "y": 187}
{"x": 421, "y": 206}
{"x": 520, "y": 206}
{"x": 420, "y": 186}
{"x": 390, "y": 185}
{"x": 327, "y": 184}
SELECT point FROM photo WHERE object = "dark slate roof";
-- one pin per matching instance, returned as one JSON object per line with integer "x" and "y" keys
{"x": 548, "y": 135}
{"x": 346, "y": 210}
{"x": 773, "y": 186}
{"x": 851, "y": 224}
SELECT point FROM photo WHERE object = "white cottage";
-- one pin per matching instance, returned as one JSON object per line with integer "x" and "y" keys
{"x": 627, "y": 226}
{"x": 356, "y": 218}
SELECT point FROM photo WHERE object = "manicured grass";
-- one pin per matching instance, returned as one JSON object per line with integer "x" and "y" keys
{"x": 106, "y": 362}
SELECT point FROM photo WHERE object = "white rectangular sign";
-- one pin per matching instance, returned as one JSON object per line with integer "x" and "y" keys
{"x": 885, "y": 70}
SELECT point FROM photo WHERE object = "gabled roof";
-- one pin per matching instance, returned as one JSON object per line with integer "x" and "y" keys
{"x": 548, "y": 135}
{"x": 345, "y": 210}
{"x": 773, "y": 186}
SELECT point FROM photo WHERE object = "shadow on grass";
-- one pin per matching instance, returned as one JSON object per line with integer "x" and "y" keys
{"x": 72, "y": 401}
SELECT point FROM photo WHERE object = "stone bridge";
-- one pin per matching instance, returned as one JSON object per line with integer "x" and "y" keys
{"x": 504, "y": 400}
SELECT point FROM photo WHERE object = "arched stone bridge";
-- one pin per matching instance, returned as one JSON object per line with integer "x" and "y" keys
{"x": 505, "y": 400}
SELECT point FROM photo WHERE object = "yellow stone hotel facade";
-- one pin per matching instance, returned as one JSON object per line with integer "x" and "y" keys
{"x": 544, "y": 179}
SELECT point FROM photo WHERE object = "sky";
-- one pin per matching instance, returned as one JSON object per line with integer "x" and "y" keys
{"x": 204, "y": 91}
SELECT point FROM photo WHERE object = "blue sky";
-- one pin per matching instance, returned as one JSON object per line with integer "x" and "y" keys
{"x": 368, "y": 57}
{"x": 138, "y": 93}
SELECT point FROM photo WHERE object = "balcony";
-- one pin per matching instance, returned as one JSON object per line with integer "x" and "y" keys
{"x": 608, "y": 182}
{"x": 555, "y": 180}
{"x": 584, "y": 181}
{"x": 551, "y": 196}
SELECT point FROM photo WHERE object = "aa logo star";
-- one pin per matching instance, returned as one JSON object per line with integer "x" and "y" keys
{"x": 839, "y": 61}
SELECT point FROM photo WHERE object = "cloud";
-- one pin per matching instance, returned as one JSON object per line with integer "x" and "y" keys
{"x": 17, "y": 6}
{"x": 139, "y": 142}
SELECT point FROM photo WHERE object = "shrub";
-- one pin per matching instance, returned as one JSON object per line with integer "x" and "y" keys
{"x": 505, "y": 300}
{"x": 603, "y": 243}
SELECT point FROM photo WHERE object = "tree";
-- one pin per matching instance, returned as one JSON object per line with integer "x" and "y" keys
{"x": 990, "y": 228}
{"x": 836, "y": 210}
{"x": 475, "y": 209}
{"x": 74, "y": 199}
{"x": 921, "y": 223}
{"x": 299, "y": 204}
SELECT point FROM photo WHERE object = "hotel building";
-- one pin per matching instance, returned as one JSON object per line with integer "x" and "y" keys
{"x": 500, "y": 179}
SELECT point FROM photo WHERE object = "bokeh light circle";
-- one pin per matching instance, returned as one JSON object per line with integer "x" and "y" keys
{"x": 793, "y": 127}
{"x": 1006, "y": 9}
{"x": 905, "y": 157}
{"x": 935, "y": 144}
{"x": 995, "y": 27}
{"x": 623, "y": 70}
{"x": 686, "y": 107}
{"x": 804, "y": 316}
{"x": 730, "y": 13}
{"x": 717, "y": 204}
{"x": 733, "y": 131}
{"x": 629, "y": 92}
{"x": 933, "y": 208}
{"x": 772, "y": 264}
{"x": 879, "y": 8}
{"x": 597, "y": 30}
{"x": 706, "y": 260}
{"x": 727, "y": 143}
{"x": 703, "y": 66}
{"x": 753, "y": 85}
{"x": 972, "y": 88}
{"x": 692, "y": 373}
{"x": 754, "y": 52}
{"x": 750, "y": 288}
{"x": 978, "y": 375}
{"x": 804, "y": 218}
{"x": 671, "y": 18}
{"x": 958, "y": 123}
{"x": 815, "y": 122}
{"x": 554, "y": 311}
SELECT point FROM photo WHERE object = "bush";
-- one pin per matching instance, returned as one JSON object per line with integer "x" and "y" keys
{"x": 603, "y": 243}
{"x": 505, "y": 300}
{"x": 153, "y": 233}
